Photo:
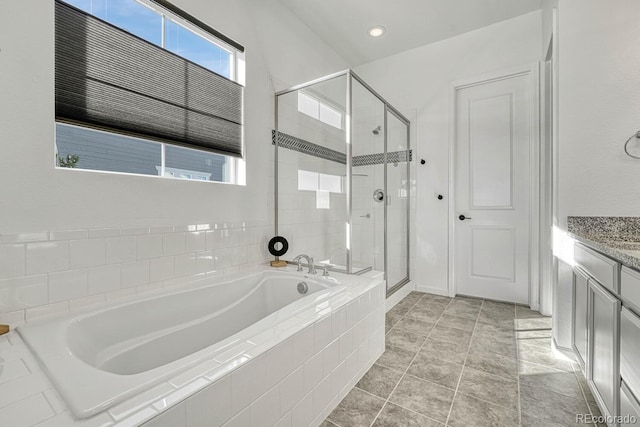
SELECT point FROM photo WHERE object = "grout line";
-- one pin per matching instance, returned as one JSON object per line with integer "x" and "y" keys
{"x": 464, "y": 363}
{"x": 412, "y": 360}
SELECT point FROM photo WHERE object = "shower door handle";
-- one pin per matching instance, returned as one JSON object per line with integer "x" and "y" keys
{"x": 462, "y": 217}
{"x": 378, "y": 195}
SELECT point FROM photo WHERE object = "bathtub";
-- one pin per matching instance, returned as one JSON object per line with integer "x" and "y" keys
{"x": 97, "y": 358}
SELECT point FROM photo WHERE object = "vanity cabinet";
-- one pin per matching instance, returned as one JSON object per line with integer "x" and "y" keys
{"x": 603, "y": 347}
{"x": 629, "y": 407}
{"x": 580, "y": 318}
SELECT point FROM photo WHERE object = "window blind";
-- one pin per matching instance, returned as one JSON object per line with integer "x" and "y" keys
{"x": 109, "y": 79}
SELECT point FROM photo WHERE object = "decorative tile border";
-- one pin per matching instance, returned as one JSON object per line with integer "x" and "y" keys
{"x": 297, "y": 144}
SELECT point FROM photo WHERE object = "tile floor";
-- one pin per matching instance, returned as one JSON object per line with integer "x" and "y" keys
{"x": 466, "y": 362}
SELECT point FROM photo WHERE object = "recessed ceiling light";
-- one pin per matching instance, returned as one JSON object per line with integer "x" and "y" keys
{"x": 377, "y": 31}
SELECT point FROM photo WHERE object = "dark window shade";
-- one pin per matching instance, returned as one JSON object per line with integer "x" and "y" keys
{"x": 110, "y": 79}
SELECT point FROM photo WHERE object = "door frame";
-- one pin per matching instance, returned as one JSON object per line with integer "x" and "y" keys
{"x": 533, "y": 72}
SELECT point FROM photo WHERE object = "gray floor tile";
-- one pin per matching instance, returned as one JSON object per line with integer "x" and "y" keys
{"x": 544, "y": 378}
{"x": 423, "y": 397}
{"x": 493, "y": 363}
{"x": 464, "y": 308}
{"x": 496, "y": 320}
{"x": 327, "y": 423}
{"x": 405, "y": 340}
{"x": 425, "y": 314}
{"x": 380, "y": 381}
{"x": 505, "y": 346}
{"x": 539, "y": 351}
{"x": 523, "y": 312}
{"x": 457, "y": 322}
{"x": 492, "y": 388}
{"x": 396, "y": 358}
{"x": 442, "y": 350}
{"x": 395, "y": 416}
{"x": 451, "y": 335}
{"x": 468, "y": 411}
{"x": 550, "y": 406}
{"x": 357, "y": 409}
{"x": 415, "y": 326}
{"x": 436, "y": 370}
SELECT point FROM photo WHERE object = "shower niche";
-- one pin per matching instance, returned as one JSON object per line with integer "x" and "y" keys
{"x": 342, "y": 177}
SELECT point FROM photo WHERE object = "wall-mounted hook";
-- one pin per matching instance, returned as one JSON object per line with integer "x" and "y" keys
{"x": 440, "y": 197}
{"x": 423, "y": 161}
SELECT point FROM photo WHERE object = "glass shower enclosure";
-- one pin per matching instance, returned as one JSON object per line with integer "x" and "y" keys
{"x": 342, "y": 161}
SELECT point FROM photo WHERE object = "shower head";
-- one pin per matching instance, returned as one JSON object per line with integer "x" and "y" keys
{"x": 377, "y": 130}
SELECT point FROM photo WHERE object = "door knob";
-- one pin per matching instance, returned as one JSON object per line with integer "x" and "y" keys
{"x": 462, "y": 217}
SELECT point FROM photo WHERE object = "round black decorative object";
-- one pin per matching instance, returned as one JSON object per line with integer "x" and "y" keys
{"x": 272, "y": 246}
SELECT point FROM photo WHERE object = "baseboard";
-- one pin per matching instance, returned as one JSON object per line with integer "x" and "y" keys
{"x": 432, "y": 290}
{"x": 399, "y": 295}
{"x": 566, "y": 352}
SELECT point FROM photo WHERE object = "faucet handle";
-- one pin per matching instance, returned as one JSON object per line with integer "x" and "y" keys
{"x": 325, "y": 271}
{"x": 299, "y": 266}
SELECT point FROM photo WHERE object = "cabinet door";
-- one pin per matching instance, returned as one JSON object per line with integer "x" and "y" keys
{"x": 603, "y": 357}
{"x": 579, "y": 329}
{"x": 629, "y": 407}
{"x": 630, "y": 350}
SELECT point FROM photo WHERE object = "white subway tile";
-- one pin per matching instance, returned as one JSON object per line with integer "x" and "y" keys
{"x": 162, "y": 229}
{"x": 331, "y": 357}
{"x": 346, "y": 344}
{"x": 21, "y": 388}
{"x": 302, "y": 346}
{"x": 138, "y": 418}
{"x": 149, "y": 246}
{"x": 302, "y": 413}
{"x": 26, "y": 413}
{"x": 121, "y": 249}
{"x": 205, "y": 227}
{"x": 12, "y": 261}
{"x": 65, "y": 420}
{"x": 78, "y": 303}
{"x": 195, "y": 241}
{"x": 313, "y": 372}
{"x": 279, "y": 360}
{"x": 223, "y": 258}
{"x": 12, "y": 318}
{"x": 69, "y": 235}
{"x": 174, "y": 417}
{"x": 97, "y": 233}
{"x": 193, "y": 373}
{"x": 338, "y": 322}
{"x": 185, "y": 265}
{"x": 210, "y": 239}
{"x": 120, "y": 293}
{"x": 205, "y": 262}
{"x": 56, "y": 402}
{"x": 321, "y": 333}
{"x": 67, "y": 285}
{"x": 238, "y": 255}
{"x": 285, "y": 421}
{"x": 46, "y": 310}
{"x": 161, "y": 268}
{"x": 211, "y": 406}
{"x": 265, "y": 411}
{"x": 12, "y": 370}
{"x": 248, "y": 383}
{"x": 24, "y": 237}
{"x": 242, "y": 419}
{"x": 322, "y": 395}
{"x": 23, "y": 292}
{"x": 139, "y": 401}
{"x": 135, "y": 273}
{"x": 134, "y": 231}
{"x": 291, "y": 389}
{"x": 180, "y": 394}
{"x": 173, "y": 243}
{"x": 105, "y": 278}
{"x": 47, "y": 257}
{"x": 87, "y": 253}
{"x": 339, "y": 378}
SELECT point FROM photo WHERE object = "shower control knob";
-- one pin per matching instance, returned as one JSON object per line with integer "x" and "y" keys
{"x": 423, "y": 161}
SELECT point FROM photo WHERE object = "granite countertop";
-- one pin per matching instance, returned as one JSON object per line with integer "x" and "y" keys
{"x": 616, "y": 237}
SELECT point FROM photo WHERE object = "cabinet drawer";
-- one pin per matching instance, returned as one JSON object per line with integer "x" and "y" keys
{"x": 603, "y": 269}
{"x": 630, "y": 287}
{"x": 629, "y": 408}
{"x": 630, "y": 350}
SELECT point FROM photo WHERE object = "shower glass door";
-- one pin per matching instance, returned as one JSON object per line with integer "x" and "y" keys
{"x": 397, "y": 201}
{"x": 367, "y": 216}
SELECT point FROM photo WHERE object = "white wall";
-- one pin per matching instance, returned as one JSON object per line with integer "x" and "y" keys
{"x": 35, "y": 197}
{"x": 420, "y": 80}
{"x": 599, "y": 106}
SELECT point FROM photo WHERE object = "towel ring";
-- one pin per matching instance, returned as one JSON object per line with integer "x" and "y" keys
{"x": 626, "y": 145}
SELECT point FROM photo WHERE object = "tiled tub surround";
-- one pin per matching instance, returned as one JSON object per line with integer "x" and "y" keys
{"x": 466, "y": 362}
{"x": 618, "y": 237}
{"x": 292, "y": 375}
{"x": 51, "y": 272}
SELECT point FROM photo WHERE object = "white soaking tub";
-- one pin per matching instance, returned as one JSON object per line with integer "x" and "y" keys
{"x": 97, "y": 358}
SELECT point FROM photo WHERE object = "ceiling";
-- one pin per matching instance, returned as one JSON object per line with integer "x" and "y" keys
{"x": 344, "y": 24}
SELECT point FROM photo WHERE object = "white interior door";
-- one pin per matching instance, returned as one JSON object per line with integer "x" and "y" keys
{"x": 492, "y": 189}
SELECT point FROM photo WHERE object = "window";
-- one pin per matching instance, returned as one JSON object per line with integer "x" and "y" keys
{"x": 180, "y": 94}
{"x": 319, "y": 110}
